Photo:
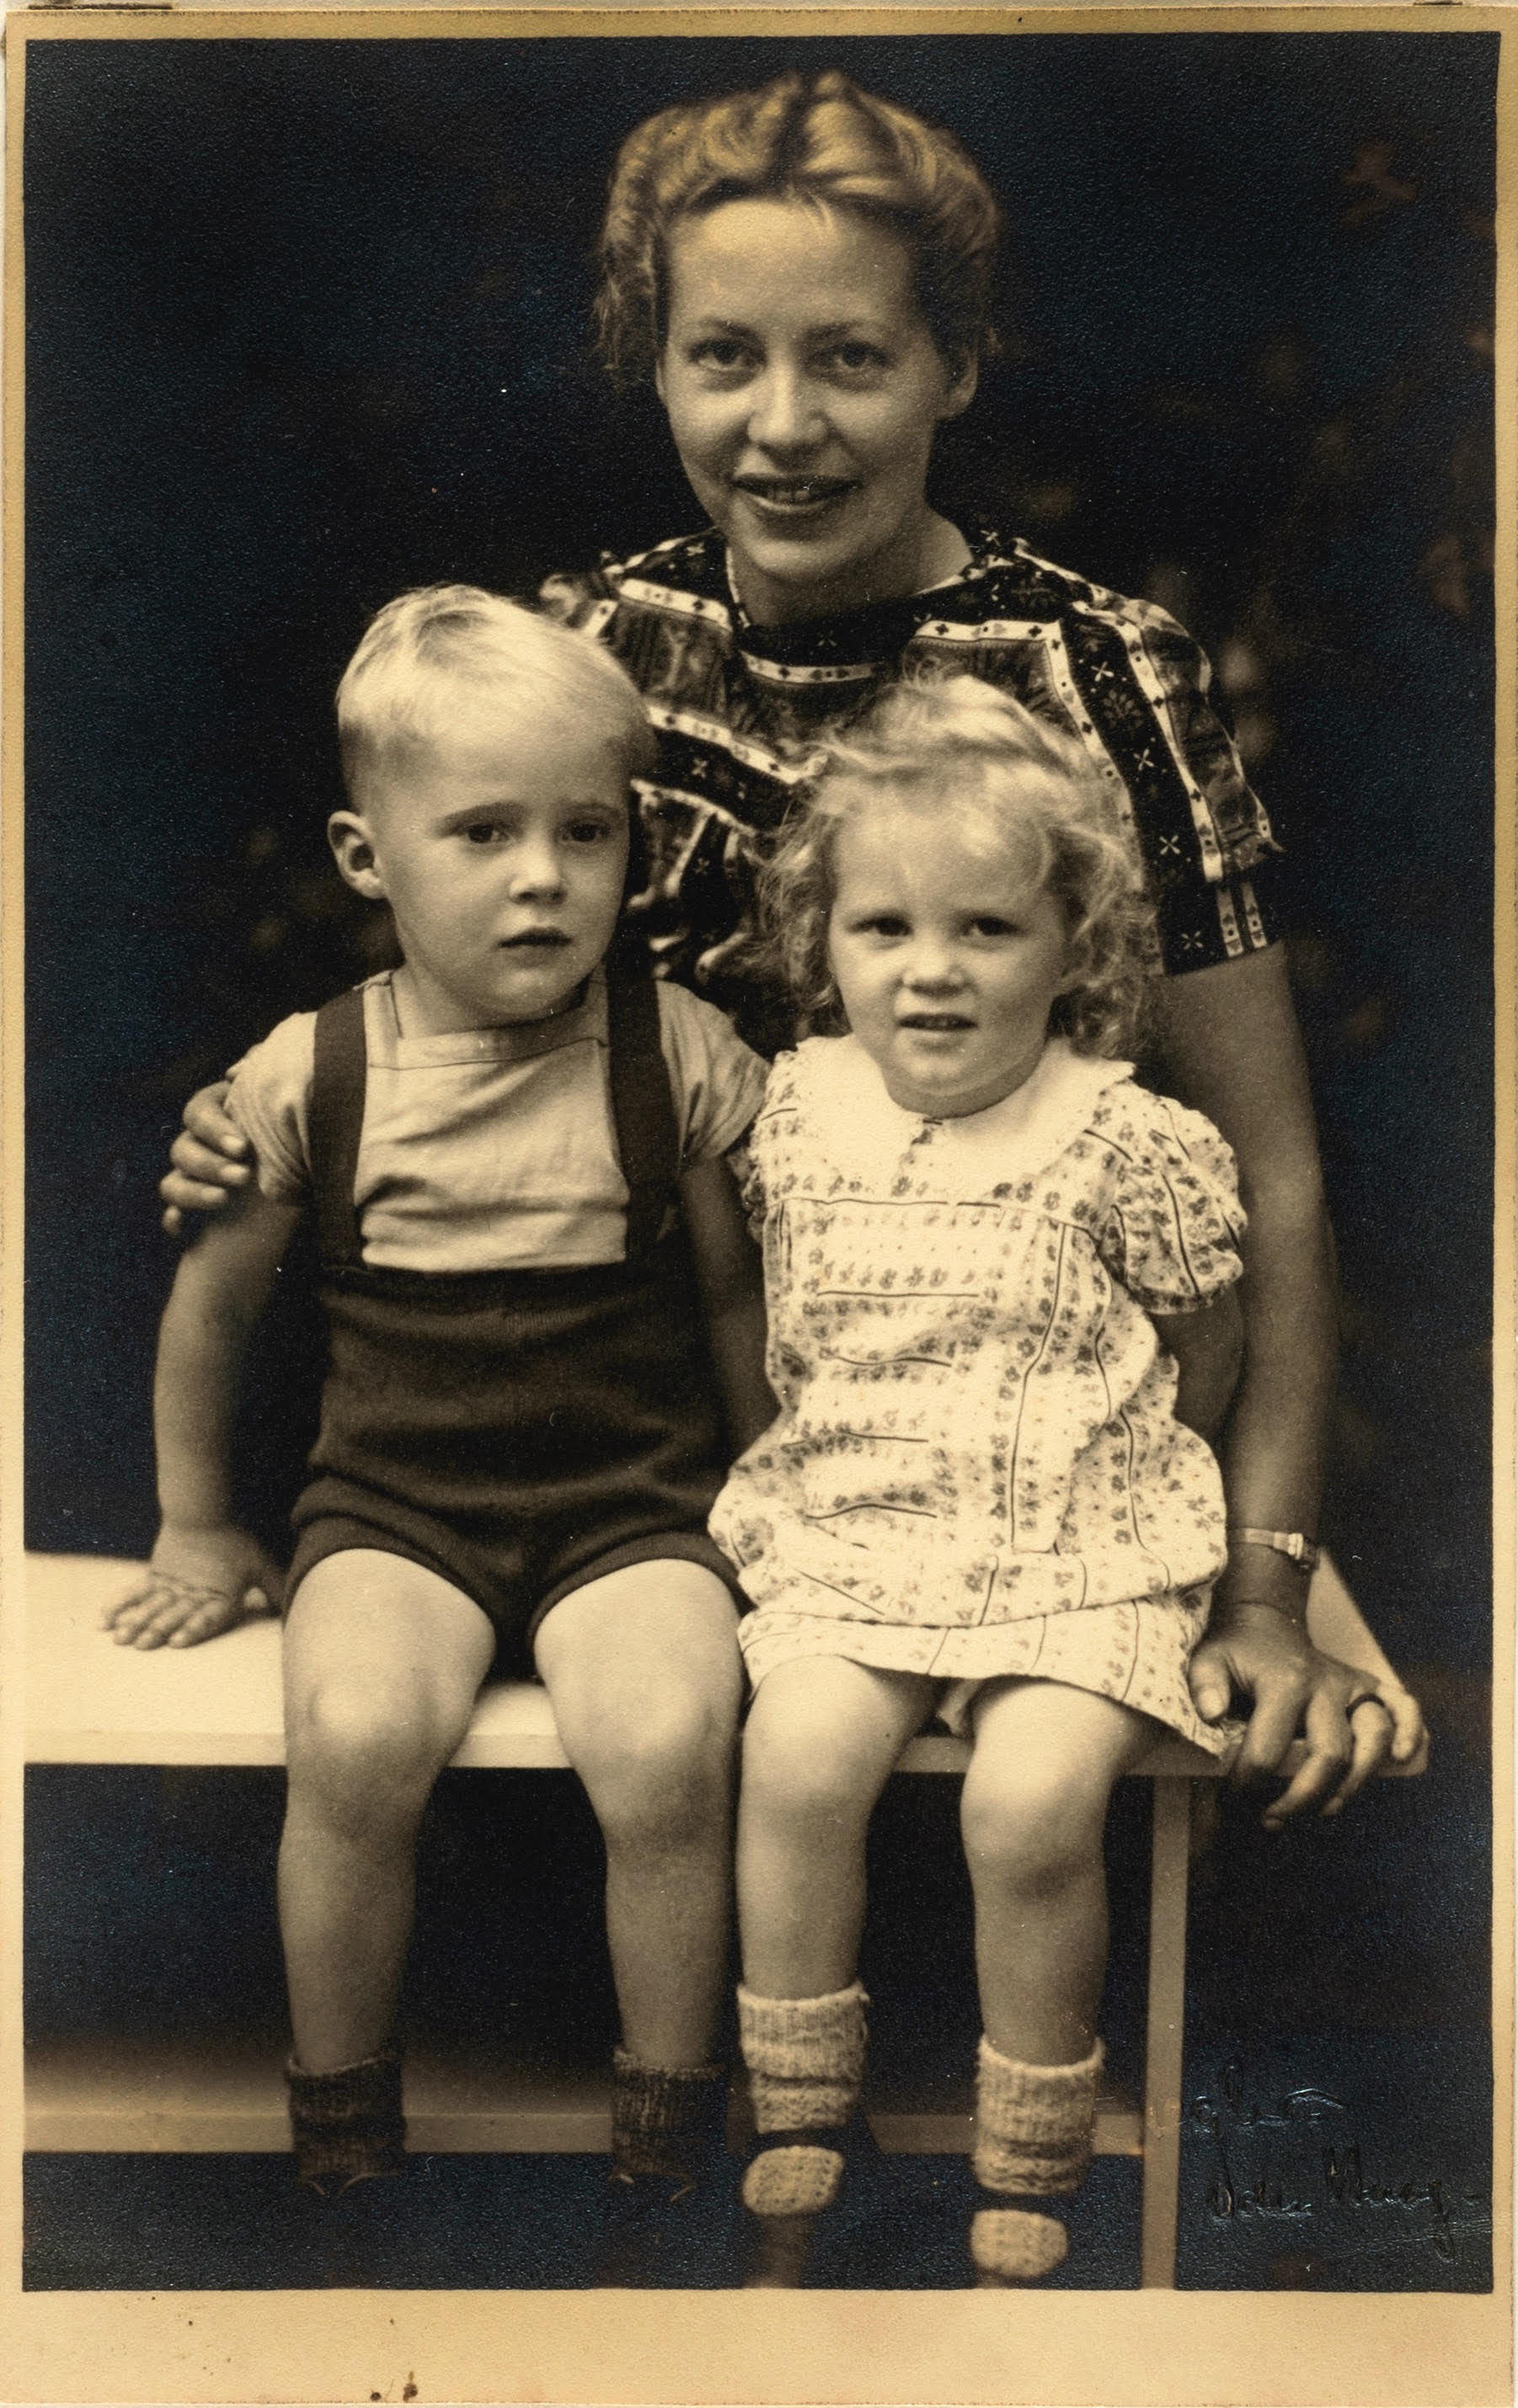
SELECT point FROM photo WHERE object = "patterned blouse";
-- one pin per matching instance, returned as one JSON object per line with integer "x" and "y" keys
{"x": 739, "y": 711}
{"x": 977, "y": 1469}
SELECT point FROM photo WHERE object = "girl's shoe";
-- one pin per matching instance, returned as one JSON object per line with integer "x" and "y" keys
{"x": 799, "y": 2190}
{"x": 1014, "y": 2241}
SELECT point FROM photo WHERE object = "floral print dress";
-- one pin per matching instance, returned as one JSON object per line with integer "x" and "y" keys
{"x": 977, "y": 1470}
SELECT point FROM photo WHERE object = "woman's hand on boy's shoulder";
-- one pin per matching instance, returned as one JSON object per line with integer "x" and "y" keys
{"x": 199, "y": 1584}
{"x": 1351, "y": 1722}
{"x": 211, "y": 1158}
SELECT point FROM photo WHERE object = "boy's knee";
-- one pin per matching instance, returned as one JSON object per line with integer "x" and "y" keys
{"x": 366, "y": 1759}
{"x": 665, "y": 1772}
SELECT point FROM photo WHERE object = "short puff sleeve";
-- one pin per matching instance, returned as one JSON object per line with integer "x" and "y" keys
{"x": 1174, "y": 1225}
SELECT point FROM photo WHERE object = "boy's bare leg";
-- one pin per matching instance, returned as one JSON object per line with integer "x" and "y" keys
{"x": 382, "y": 1663}
{"x": 644, "y": 1670}
{"x": 822, "y": 1737}
{"x": 1032, "y": 1814}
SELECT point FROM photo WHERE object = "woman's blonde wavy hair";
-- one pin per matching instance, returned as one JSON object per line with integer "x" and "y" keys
{"x": 957, "y": 747}
{"x": 812, "y": 138}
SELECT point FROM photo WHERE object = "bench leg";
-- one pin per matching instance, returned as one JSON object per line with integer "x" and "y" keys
{"x": 1166, "y": 2031}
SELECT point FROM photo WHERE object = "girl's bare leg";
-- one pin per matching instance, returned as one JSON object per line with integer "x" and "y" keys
{"x": 644, "y": 1674}
{"x": 1032, "y": 1814}
{"x": 1034, "y": 1810}
{"x": 822, "y": 1737}
{"x": 383, "y": 1664}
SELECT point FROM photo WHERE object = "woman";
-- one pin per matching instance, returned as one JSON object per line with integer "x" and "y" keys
{"x": 805, "y": 270}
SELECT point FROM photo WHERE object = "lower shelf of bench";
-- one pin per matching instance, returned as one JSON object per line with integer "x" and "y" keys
{"x": 161, "y": 2096}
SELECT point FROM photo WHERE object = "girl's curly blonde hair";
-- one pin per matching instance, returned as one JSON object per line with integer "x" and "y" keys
{"x": 809, "y": 137}
{"x": 956, "y": 745}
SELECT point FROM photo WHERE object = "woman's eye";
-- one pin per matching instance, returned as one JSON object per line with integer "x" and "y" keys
{"x": 857, "y": 359}
{"x": 722, "y": 353}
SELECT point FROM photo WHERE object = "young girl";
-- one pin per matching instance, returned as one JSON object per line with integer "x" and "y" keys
{"x": 806, "y": 271}
{"x": 514, "y": 1149}
{"x": 1000, "y": 1280}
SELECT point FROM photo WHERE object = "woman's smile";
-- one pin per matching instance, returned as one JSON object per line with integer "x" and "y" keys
{"x": 804, "y": 388}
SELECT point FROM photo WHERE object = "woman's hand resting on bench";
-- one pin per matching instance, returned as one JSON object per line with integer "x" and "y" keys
{"x": 199, "y": 1584}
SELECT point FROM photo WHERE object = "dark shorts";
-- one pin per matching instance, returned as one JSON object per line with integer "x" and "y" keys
{"x": 516, "y": 1619}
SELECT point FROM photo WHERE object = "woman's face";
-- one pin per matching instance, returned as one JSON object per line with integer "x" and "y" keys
{"x": 804, "y": 388}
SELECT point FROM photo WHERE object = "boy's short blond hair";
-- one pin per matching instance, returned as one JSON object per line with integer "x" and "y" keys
{"x": 429, "y": 650}
{"x": 958, "y": 747}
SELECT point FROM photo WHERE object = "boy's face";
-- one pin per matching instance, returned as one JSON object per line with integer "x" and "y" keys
{"x": 502, "y": 851}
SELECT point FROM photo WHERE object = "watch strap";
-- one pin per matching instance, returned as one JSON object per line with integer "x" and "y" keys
{"x": 1303, "y": 1551}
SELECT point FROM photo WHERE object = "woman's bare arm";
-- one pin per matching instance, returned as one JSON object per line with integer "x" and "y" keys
{"x": 1231, "y": 1049}
{"x": 731, "y": 1281}
{"x": 1209, "y": 1347}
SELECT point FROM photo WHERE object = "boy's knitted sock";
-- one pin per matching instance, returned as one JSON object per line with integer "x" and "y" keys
{"x": 347, "y": 2126}
{"x": 664, "y": 2120}
{"x": 806, "y": 2062}
{"x": 1034, "y": 2126}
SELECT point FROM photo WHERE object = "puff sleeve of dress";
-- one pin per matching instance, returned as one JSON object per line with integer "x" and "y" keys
{"x": 1174, "y": 1225}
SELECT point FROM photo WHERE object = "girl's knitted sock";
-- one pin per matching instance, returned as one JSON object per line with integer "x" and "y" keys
{"x": 664, "y": 2120}
{"x": 347, "y": 2125}
{"x": 1034, "y": 2126}
{"x": 806, "y": 2062}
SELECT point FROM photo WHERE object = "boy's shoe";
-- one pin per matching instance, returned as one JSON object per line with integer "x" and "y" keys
{"x": 660, "y": 2232}
{"x": 347, "y": 2126}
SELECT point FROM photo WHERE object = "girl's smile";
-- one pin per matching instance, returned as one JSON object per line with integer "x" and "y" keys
{"x": 804, "y": 388}
{"x": 948, "y": 955}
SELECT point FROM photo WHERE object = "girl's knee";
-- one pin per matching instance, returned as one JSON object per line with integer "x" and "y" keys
{"x": 1029, "y": 1833}
{"x": 790, "y": 1781}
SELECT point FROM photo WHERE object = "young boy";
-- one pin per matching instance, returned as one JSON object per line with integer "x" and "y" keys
{"x": 532, "y": 1256}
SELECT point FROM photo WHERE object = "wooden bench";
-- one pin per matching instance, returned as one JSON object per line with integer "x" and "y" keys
{"x": 90, "y": 1701}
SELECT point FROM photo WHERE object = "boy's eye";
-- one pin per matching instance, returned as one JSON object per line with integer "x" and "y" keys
{"x": 589, "y": 832}
{"x": 989, "y": 924}
{"x": 483, "y": 832}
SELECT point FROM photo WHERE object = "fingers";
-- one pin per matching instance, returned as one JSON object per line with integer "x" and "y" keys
{"x": 1371, "y": 1730}
{"x": 1210, "y": 1686}
{"x": 1329, "y": 1757}
{"x": 170, "y": 1612}
{"x": 205, "y": 1119}
{"x": 1408, "y": 1730}
{"x": 1278, "y": 1699}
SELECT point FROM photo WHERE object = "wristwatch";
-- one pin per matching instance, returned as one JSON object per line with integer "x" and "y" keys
{"x": 1303, "y": 1551}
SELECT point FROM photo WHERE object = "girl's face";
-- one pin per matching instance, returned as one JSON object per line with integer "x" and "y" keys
{"x": 804, "y": 388}
{"x": 948, "y": 952}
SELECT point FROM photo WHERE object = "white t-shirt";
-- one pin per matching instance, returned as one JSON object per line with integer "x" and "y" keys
{"x": 493, "y": 1148}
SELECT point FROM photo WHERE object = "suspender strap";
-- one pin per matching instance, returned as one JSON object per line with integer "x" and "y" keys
{"x": 335, "y": 1123}
{"x": 642, "y": 1108}
{"x": 642, "y": 1113}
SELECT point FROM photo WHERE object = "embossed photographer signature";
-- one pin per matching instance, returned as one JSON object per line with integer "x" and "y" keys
{"x": 1337, "y": 2177}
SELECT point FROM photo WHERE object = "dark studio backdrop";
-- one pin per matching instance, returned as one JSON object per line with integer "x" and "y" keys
{"x": 307, "y": 324}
